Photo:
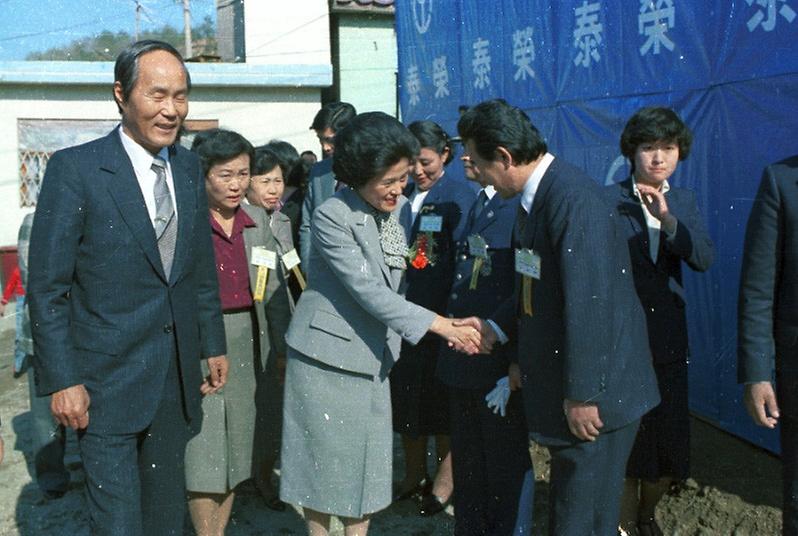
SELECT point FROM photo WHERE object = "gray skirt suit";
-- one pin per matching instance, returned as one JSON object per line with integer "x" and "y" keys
{"x": 238, "y": 422}
{"x": 344, "y": 338}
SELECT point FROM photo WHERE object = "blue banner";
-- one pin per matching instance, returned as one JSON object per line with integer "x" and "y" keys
{"x": 581, "y": 68}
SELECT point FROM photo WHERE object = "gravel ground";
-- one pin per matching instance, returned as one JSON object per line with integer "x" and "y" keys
{"x": 734, "y": 489}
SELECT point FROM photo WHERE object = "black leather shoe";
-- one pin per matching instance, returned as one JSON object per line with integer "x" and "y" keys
{"x": 431, "y": 504}
{"x": 422, "y": 489}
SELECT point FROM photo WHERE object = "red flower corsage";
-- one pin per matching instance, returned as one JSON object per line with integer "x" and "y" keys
{"x": 422, "y": 254}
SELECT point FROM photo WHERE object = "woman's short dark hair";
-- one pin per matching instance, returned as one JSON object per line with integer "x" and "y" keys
{"x": 286, "y": 153}
{"x": 369, "y": 145}
{"x": 333, "y": 115}
{"x": 265, "y": 160}
{"x": 493, "y": 124}
{"x": 431, "y": 135}
{"x": 126, "y": 69}
{"x": 655, "y": 123}
{"x": 220, "y": 146}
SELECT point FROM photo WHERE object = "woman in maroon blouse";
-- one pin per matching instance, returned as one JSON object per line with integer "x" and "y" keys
{"x": 222, "y": 455}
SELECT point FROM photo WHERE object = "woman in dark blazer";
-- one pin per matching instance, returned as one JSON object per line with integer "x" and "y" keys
{"x": 435, "y": 219}
{"x": 664, "y": 229}
{"x": 345, "y": 334}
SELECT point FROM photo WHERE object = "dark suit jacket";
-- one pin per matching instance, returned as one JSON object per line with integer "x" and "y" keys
{"x": 587, "y": 338}
{"x": 659, "y": 285}
{"x": 104, "y": 314}
{"x": 450, "y": 199}
{"x": 321, "y": 187}
{"x": 768, "y": 306}
{"x": 495, "y": 225}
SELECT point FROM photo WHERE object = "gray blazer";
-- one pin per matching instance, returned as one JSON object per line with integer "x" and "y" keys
{"x": 352, "y": 315}
{"x": 274, "y": 313}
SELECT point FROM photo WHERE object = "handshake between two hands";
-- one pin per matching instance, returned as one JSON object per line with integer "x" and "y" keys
{"x": 468, "y": 335}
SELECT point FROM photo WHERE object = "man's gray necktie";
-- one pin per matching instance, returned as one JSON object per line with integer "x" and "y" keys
{"x": 165, "y": 223}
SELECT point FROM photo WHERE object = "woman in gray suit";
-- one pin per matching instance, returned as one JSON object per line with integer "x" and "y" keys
{"x": 346, "y": 332}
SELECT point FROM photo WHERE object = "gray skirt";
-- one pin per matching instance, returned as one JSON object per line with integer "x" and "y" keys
{"x": 337, "y": 439}
{"x": 220, "y": 457}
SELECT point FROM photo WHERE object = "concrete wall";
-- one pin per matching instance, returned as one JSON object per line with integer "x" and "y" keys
{"x": 287, "y": 33}
{"x": 367, "y": 62}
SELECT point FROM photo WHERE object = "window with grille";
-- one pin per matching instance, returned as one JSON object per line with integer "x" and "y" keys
{"x": 40, "y": 138}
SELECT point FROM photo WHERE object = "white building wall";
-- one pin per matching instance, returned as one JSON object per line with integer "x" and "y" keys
{"x": 280, "y": 32}
{"x": 260, "y": 114}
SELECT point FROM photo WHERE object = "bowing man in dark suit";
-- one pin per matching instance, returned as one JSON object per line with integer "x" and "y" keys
{"x": 490, "y": 445}
{"x": 663, "y": 229}
{"x": 580, "y": 330}
{"x": 124, "y": 300}
{"x": 767, "y": 331}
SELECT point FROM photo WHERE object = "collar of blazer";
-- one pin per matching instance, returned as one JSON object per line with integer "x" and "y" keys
{"x": 364, "y": 224}
{"x": 126, "y": 193}
{"x": 281, "y": 229}
{"x": 260, "y": 235}
{"x": 528, "y": 239}
{"x": 488, "y": 215}
{"x": 434, "y": 195}
{"x": 630, "y": 208}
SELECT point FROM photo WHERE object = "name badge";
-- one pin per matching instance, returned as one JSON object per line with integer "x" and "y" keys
{"x": 264, "y": 257}
{"x": 527, "y": 263}
{"x": 431, "y": 224}
{"x": 290, "y": 259}
{"x": 477, "y": 247}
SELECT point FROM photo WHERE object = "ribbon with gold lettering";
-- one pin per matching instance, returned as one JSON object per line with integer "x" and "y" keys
{"x": 260, "y": 283}
{"x": 527, "y": 284}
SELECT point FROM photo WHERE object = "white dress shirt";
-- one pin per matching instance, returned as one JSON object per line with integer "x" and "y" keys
{"x": 142, "y": 159}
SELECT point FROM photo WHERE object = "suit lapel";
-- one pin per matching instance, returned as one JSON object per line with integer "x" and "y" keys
{"x": 368, "y": 229}
{"x": 185, "y": 196}
{"x": 125, "y": 191}
{"x": 487, "y": 217}
{"x": 633, "y": 213}
{"x": 253, "y": 238}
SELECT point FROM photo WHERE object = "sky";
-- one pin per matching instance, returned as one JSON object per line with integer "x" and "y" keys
{"x": 36, "y": 25}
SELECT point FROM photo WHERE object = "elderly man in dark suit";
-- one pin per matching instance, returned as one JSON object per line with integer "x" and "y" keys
{"x": 767, "y": 331}
{"x": 124, "y": 300}
{"x": 580, "y": 329}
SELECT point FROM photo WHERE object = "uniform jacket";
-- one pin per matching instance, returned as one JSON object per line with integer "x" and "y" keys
{"x": 104, "y": 313}
{"x": 451, "y": 200}
{"x": 586, "y": 339}
{"x": 352, "y": 315}
{"x": 494, "y": 224}
{"x": 659, "y": 285}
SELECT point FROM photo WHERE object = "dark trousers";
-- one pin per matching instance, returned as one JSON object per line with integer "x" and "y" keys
{"x": 787, "y": 396}
{"x": 490, "y": 455}
{"x": 136, "y": 482}
{"x": 48, "y": 439}
{"x": 587, "y": 482}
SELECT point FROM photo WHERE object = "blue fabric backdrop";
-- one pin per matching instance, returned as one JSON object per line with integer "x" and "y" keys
{"x": 580, "y": 68}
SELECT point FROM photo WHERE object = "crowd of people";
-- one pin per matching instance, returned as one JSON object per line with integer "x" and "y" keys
{"x": 201, "y": 317}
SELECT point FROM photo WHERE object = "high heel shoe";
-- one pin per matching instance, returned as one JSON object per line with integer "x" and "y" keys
{"x": 432, "y": 504}
{"x": 422, "y": 488}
